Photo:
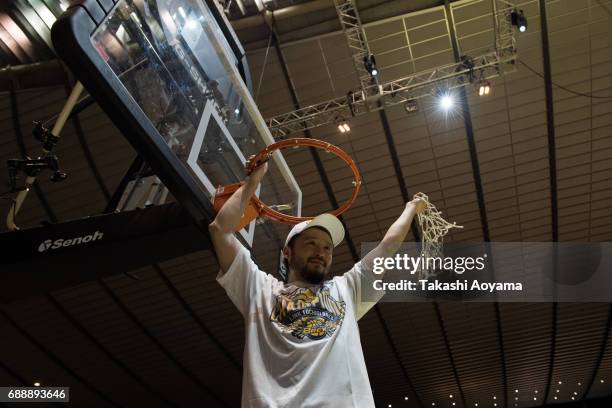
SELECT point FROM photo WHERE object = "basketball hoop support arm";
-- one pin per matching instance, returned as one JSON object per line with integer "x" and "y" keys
{"x": 57, "y": 128}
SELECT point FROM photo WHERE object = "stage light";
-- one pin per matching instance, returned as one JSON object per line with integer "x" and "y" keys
{"x": 484, "y": 88}
{"x": 344, "y": 127}
{"x": 411, "y": 106}
{"x": 519, "y": 20}
{"x": 369, "y": 62}
{"x": 446, "y": 102}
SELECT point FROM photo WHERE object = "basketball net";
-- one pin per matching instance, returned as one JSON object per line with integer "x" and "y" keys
{"x": 433, "y": 229}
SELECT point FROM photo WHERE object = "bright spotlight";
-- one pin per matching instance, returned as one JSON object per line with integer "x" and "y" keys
{"x": 484, "y": 88}
{"x": 519, "y": 20}
{"x": 446, "y": 102}
{"x": 369, "y": 63}
{"x": 344, "y": 127}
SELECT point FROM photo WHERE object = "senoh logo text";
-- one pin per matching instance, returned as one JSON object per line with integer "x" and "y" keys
{"x": 62, "y": 243}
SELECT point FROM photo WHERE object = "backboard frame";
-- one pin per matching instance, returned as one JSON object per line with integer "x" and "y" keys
{"x": 71, "y": 36}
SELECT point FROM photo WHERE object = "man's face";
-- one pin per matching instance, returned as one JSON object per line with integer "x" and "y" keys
{"x": 311, "y": 255}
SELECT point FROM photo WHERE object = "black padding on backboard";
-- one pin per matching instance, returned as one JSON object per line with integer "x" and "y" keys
{"x": 107, "y": 5}
{"x": 93, "y": 9}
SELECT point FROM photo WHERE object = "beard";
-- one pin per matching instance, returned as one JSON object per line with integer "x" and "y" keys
{"x": 313, "y": 273}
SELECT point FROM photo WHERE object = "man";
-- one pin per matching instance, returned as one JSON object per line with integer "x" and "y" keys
{"x": 302, "y": 339}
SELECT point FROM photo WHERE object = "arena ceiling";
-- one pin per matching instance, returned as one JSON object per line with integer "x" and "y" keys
{"x": 530, "y": 162}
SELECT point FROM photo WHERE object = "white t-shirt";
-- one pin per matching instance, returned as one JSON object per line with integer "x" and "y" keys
{"x": 302, "y": 344}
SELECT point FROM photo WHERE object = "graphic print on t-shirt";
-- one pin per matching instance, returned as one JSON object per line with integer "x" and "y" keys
{"x": 305, "y": 313}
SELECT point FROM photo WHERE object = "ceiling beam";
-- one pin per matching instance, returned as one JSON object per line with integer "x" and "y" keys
{"x": 550, "y": 122}
{"x": 399, "y": 174}
{"x": 552, "y": 167}
{"x": 469, "y": 131}
{"x": 600, "y": 356}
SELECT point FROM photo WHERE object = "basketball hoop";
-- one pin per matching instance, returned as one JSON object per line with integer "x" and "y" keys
{"x": 256, "y": 208}
{"x": 433, "y": 229}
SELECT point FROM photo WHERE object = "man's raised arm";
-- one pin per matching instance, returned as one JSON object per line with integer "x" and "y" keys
{"x": 396, "y": 233}
{"x": 224, "y": 225}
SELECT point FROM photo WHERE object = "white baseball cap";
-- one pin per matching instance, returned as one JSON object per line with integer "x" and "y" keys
{"x": 328, "y": 222}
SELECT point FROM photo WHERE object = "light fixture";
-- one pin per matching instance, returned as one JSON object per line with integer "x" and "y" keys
{"x": 601, "y": 381}
{"x": 369, "y": 62}
{"x": 63, "y": 6}
{"x": 405, "y": 398}
{"x": 343, "y": 126}
{"x": 519, "y": 20}
{"x": 446, "y": 101}
{"x": 579, "y": 384}
{"x": 515, "y": 390}
{"x": 560, "y": 382}
{"x": 555, "y": 397}
{"x": 411, "y": 105}
{"x": 390, "y": 405}
{"x": 484, "y": 88}
{"x": 450, "y": 396}
{"x": 37, "y": 384}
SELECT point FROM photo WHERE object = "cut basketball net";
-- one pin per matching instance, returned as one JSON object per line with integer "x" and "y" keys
{"x": 433, "y": 229}
{"x": 257, "y": 209}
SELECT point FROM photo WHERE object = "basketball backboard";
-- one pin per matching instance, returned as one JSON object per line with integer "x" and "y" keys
{"x": 173, "y": 77}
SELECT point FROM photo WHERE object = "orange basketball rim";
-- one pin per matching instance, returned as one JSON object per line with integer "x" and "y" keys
{"x": 256, "y": 208}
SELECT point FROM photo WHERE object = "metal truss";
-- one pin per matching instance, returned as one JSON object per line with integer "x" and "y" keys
{"x": 375, "y": 97}
{"x": 351, "y": 25}
{"x": 505, "y": 41}
{"x": 391, "y": 93}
